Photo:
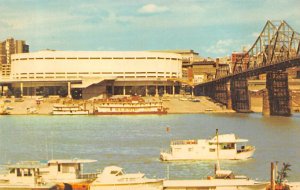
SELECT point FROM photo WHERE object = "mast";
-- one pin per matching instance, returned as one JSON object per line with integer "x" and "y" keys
{"x": 218, "y": 159}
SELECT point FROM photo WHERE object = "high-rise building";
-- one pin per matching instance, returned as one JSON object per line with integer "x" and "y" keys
{"x": 7, "y": 48}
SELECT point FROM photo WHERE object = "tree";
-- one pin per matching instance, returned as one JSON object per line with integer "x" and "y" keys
{"x": 46, "y": 92}
{"x": 283, "y": 173}
{"x": 9, "y": 93}
{"x": 17, "y": 93}
{"x": 63, "y": 91}
{"x": 151, "y": 91}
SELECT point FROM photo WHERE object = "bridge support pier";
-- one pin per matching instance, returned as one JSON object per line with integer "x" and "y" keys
{"x": 240, "y": 95}
{"x": 220, "y": 93}
{"x": 276, "y": 98}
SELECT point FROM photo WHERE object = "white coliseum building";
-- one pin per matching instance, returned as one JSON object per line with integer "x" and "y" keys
{"x": 95, "y": 73}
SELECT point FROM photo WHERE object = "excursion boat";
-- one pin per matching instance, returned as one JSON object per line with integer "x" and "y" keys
{"x": 69, "y": 110}
{"x": 113, "y": 178}
{"x": 206, "y": 149}
{"x": 25, "y": 176}
{"x": 129, "y": 106}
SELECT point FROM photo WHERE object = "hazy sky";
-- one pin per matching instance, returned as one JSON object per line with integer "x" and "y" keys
{"x": 211, "y": 27}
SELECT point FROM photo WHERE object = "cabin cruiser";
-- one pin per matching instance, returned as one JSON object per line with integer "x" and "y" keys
{"x": 206, "y": 149}
{"x": 113, "y": 177}
{"x": 25, "y": 176}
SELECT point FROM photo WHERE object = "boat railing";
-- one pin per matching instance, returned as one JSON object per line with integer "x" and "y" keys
{"x": 88, "y": 176}
{"x": 184, "y": 142}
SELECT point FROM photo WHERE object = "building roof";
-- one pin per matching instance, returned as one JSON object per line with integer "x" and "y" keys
{"x": 121, "y": 54}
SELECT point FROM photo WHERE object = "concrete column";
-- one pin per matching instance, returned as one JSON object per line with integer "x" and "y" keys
{"x": 173, "y": 89}
{"x": 21, "y": 88}
{"x": 146, "y": 90}
{"x": 156, "y": 90}
{"x": 124, "y": 91}
{"x": 69, "y": 89}
{"x": 165, "y": 89}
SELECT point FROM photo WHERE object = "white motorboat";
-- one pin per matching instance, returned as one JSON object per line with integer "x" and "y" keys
{"x": 113, "y": 178}
{"x": 206, "y": 149}
{"x": 25, "y": 176}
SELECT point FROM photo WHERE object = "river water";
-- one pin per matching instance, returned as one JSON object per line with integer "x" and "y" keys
{"x": 134, "y": 142}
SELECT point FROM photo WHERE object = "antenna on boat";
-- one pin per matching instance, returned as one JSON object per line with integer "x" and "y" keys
{"x": 47, "y": 147}
{"x": 218, "y": 158}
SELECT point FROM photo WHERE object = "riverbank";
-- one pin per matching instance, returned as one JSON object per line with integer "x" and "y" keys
{"x": 175, "y": 104}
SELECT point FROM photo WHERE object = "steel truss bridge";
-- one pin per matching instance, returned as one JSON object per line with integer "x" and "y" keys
{"x": 275, "y": 50}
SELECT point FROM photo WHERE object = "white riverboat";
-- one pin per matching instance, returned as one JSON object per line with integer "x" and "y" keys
{"x": 69, "y": 110}
{"x": 206, "y": 149}
{"x": 113, "y": 178}
{"x": 129, "y": 106}
{"x": 25, "y": 176}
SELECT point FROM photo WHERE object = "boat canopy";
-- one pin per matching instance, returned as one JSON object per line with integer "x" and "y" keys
{"x": 227, "y": 138}
{"x": 26, "y": 165}
{"x": 73, "y": 161}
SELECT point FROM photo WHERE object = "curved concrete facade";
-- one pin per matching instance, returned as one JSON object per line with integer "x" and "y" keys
{"x": 95, "y": 73}
{"x": 72, "y": 64}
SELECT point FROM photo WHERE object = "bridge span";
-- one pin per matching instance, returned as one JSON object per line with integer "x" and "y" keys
{"x": 275, "y": 50}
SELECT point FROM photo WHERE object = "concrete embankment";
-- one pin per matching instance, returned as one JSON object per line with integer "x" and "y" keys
{"x": 177, "y": 104}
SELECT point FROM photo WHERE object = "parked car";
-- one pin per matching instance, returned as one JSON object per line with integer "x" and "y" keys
{"x": 195, "y": 100}
{"x": 19, "y": 100}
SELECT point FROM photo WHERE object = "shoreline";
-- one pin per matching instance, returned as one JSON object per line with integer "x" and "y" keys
{"x": 175, "y": 105}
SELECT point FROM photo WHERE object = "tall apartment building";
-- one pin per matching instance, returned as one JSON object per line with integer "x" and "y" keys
{"x": 7, "y": 48}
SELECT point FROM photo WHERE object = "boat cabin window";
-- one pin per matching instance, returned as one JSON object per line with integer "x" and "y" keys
{"x": 58, "y": 167}
{"x": 27, "y": 172}
{"x": 212, "y": 150}
{"x": 116, "y": 173}
{"x": 228, "y": 146}
{"x": 19, "y": 174}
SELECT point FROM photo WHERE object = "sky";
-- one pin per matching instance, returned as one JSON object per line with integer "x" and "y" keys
{"x": 213, "y": 28}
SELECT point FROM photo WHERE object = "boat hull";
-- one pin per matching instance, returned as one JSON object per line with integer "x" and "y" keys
{"x": 215, "y": 184}
{"x": 70, "y": 113}
{"x": 129, "y": 113}
{"x": 27, "y": 188}
{"x": 164, "y": 156}
{"x": 128, "y": 186}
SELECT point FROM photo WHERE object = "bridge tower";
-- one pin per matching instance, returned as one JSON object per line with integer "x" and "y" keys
{"x": 240, "y": 95}
{"x": 276, "y": 98}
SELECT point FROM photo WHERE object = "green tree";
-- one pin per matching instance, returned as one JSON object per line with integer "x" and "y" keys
{"x": 283, "y": 173}
{"x": 17, "y": 93}
{"x": 63, "y": 91}
{"x": 46, "y": 92}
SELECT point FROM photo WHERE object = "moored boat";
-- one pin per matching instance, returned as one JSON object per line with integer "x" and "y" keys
{"x": 113, "y": 177}
{"x": 128, "y": 106}
{"x": 25, "y": 176}
{"x": 206, "y": 149}
{"x": 69, "y": 110}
